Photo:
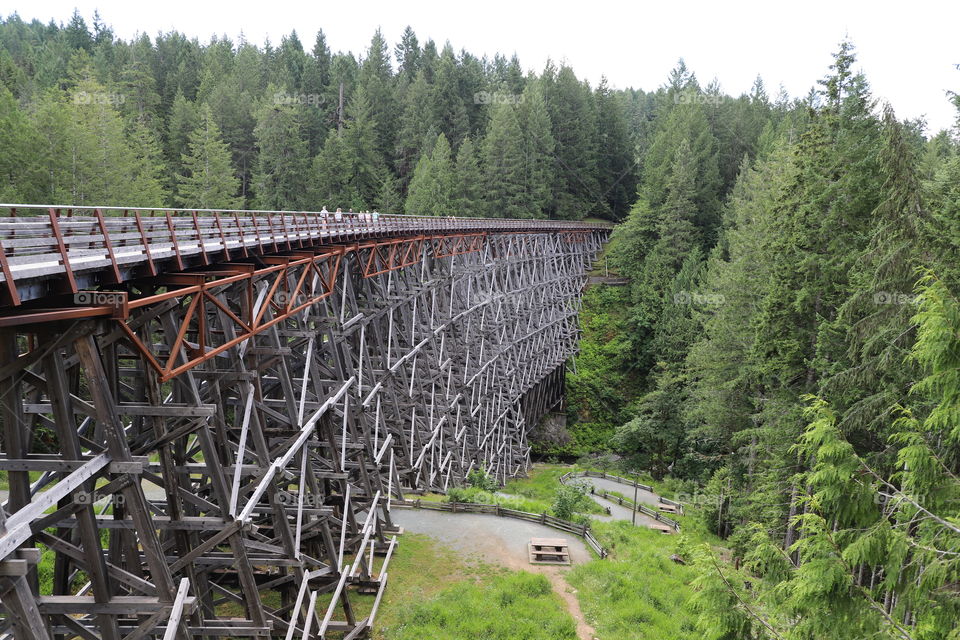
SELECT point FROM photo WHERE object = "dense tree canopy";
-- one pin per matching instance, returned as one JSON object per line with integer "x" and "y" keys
{"x": 304, "y": 127}
{"x": 793, "y": 321}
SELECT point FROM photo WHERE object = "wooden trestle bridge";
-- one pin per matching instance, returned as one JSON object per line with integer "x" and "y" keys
{"x": 206, "y": 414}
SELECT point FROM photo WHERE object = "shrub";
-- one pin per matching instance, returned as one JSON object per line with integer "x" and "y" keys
{"x": 480, "y": 479}
{"x": 569, "y": 500}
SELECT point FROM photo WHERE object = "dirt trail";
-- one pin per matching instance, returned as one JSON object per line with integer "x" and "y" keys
{"x": 568, "y": 594}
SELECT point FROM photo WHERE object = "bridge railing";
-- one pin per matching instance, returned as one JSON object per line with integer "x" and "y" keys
{"x": 38, "y": 241}
{"x": 364, "y": 219}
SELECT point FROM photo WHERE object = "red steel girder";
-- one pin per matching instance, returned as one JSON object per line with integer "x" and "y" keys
{"x": 388, "y": 255}
{"x": 199, "y": 290}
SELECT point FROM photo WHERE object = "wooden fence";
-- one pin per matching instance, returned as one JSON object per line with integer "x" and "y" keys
{"x": 641, "y": 508}
{"x": 582, "y": 530}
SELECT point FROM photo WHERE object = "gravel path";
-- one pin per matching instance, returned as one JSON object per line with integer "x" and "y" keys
{"x": 645, "y": 497}
{"x": 617, "y": 511}
{"x": 490, "y": 537}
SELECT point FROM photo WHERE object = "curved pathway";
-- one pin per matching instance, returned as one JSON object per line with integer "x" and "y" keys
{"x": 618, "y": 511}
{"x": 647, "y": 497}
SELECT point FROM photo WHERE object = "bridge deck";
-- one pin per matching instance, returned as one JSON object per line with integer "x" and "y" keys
{"x": 51, "y": 249}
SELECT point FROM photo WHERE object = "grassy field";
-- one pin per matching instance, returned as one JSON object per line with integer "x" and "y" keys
{"x": 637, "y": 592}
{"x": 434, "y": 594}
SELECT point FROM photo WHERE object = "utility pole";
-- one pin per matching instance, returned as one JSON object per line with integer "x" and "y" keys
{"x": 633, "y": 516}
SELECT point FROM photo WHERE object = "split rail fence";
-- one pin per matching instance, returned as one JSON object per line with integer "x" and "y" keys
{"x": 582, "y": 530}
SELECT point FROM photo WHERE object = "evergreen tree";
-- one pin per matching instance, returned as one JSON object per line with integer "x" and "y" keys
{"x": 21, "y": 178}
{"x": 181, "y": 123}
{"x": 389, "y": 200}
{"x": 360, "y": 138}
{"x": 330, "y": 176}
{"x": 376, "y": 81}
{"x": 573, "y": 116}
{"x": 280, "y": 175}
{"x": 407, "y": 54}
{"x": 615, "y": 156}
{"x": 503, "y": 166}
{"x": 469, "y": 200}
{"x": 686, "y": 123}
{"x": 539, "y": 171}
{"x": 208, "y": 181}
{"x": 88, "y": 157}
{"x": 433, "y": 188}
{"x": 292, "y": 61}
{"x": 417, "y": 128}
{"x": 449, "y": 111}
{"x": 348, "y": 172}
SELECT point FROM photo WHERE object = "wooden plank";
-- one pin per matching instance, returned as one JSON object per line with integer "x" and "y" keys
{"x": 118, "y": 605}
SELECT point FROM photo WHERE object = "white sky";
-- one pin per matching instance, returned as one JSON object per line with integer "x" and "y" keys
{"x": 908, "y": 50}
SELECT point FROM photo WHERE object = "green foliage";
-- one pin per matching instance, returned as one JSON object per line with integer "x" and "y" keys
{"x": 638, "y": 592}
{"x": 304, "y": 128}
{"x": 20, "y": 175}
{"x": 280, "y": 176}
{"x": 812, "y": 391}
{"x": 480, "y": 479}
{"x": 477, "y": 495}
{"x": 503, "y": 165}
{"x": 525, "y": 605}
{"x": 433, "y": 188}
{"x": 542, "y": 486}
{"x": 569, "y": 499}
{"x": 601, "y": 388}
{"x": 469, "y": 196}
{"x": 208, "y": 181}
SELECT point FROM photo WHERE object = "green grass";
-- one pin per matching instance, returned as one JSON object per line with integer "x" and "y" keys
{"x": 541, "y": 485}
{"x": 507, "y": 607}
{"x": 518, "y": 503}
{"x": 637, "y": 592}
{"x": 5, "y": 479}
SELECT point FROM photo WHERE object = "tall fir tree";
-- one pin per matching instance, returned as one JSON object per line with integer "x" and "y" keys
{"x": 539, "y": 149}
{"x": 503, "y": 165}
{"x": 208, "y": 181}
{"x": 280, "y": 175}
{"x": 469, "y": 201}
{"x": 433, "y": 188}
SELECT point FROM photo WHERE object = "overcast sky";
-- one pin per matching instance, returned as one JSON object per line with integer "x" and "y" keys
{"x": 908, "y": 50}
